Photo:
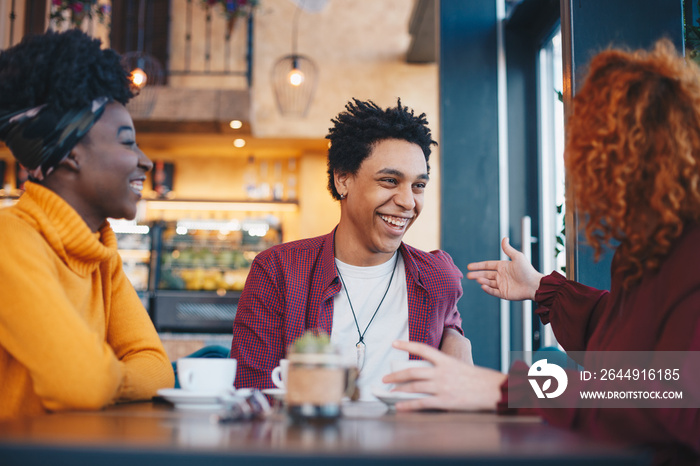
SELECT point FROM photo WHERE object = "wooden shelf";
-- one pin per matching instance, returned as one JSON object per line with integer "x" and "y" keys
{"x": 242, "y": 205}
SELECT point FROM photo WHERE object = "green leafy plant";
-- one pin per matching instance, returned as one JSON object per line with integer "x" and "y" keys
{"x": 231, "y": 9}
{"x": 561, "y": 236}
{"x": 692, "y": 38}
{"x": 313, "y": 341}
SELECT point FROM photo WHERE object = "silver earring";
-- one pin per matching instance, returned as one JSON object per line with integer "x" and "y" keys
{"x": 342, "y": 196}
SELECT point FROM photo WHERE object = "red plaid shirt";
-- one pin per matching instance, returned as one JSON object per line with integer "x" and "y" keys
{"x": 291, "y": 287}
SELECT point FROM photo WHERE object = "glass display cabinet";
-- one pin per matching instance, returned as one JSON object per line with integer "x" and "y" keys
{"x": 202, "y": 268}
{"x": 135, "y": 249}
{"x": 190, "y": 273}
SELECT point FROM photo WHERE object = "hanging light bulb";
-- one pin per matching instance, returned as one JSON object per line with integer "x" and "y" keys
{"x": 146, "y": 76}
{"x": 295, "y": 77}
{"x": 145, "y": 71}
{"x": 139, "y": 78}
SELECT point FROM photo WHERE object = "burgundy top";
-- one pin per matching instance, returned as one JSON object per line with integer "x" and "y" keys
{"x": 659, "y": 313}
{"x": 291, "y": 287}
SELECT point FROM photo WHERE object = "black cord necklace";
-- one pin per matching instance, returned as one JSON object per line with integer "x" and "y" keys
{"x": 360, "y": 345}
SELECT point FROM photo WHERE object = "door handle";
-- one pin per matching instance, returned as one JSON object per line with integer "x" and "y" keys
{"x": 526, "y": 241}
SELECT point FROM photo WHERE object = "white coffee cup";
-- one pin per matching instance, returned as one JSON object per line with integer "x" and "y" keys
{"x": 403, "y": 364}
{"x": 206, "y": 374}
{"x": 279, "y": 374}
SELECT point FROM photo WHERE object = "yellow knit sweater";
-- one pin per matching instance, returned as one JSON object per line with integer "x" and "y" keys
{"x": 73, "y": 332}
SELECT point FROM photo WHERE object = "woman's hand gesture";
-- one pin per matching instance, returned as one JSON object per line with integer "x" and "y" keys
{"x": 514, "y": 280}
{"x": 452, "y": 384}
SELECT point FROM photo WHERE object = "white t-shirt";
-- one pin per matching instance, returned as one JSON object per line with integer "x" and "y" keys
{"x": 366, "y": 286}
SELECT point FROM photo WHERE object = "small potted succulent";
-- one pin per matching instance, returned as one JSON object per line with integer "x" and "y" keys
{"x": 317, "y": 381}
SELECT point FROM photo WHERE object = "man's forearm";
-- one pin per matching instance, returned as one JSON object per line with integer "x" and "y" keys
{"x": 454, "y": 344}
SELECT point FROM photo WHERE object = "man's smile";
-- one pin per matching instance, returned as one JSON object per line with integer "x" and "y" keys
{"x": 399, "y": 222}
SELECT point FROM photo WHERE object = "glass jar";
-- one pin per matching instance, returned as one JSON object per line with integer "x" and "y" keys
{"x": 316, "y": 385}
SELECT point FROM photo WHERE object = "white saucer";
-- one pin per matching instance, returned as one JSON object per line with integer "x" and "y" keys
{"x": 198, "y": 407}
{"x": 186, "y": 399}
{"x": 391, "y": 398}
{"x": 276, "y": 393}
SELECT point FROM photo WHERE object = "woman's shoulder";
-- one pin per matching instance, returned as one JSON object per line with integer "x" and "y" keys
{"x": 676, "y": 293}
{"x": 684, "y": 255}
{"x": 691, "y": 230}
{"x": 21, "y": 240}
{"x": 16, "y": 223}
{"x": 677, "y": 276}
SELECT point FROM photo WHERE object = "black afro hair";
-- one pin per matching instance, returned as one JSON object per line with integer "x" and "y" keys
{"x": 362, "y": 125}
{"x": 64, "y": 70}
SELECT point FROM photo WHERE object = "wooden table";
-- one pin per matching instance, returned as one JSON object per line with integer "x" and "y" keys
{"x": 154, "y": 434}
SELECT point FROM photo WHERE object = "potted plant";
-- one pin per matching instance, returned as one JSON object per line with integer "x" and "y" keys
{"x": 232, "y": 10}
{"x": 76, "y": 11}
{"x": 316, "y": 379}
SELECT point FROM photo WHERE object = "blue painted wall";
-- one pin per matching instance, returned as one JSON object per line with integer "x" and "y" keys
{"x": 469, "y": 155}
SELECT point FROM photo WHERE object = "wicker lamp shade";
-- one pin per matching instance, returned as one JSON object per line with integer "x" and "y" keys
{"x": 294, "y": 80}
{"x": 147, "y": 75}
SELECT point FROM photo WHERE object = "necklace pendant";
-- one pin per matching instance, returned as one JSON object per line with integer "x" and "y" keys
{"x": 360, "y": 354}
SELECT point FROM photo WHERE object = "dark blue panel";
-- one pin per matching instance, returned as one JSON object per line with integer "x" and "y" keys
{"x": 596, "y": 25}
{"x": 599, "y": 24}
{"x": 469, "y": 155}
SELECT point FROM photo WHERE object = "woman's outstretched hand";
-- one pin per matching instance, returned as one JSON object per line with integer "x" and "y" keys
{"x": 514, "y": 280}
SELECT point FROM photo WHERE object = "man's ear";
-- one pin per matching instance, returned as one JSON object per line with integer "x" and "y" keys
{"x": 341, "y": 182}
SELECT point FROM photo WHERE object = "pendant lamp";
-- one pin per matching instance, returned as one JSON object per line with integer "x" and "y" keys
{"x": 294, "y": 79}
{"x": 146, "y": 73}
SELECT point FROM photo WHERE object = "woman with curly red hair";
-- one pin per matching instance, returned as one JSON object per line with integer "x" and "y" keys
{"x": 633, "y": 153}
{"x": 633, "y": 160}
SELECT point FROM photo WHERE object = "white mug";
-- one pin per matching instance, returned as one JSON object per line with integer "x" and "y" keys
{"x": 279, "y": 374}
{"x": 403, "y": 364}
{"x": 206, "y": 374}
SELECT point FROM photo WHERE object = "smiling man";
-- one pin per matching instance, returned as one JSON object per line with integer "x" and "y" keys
{"x": 360, "y": 283}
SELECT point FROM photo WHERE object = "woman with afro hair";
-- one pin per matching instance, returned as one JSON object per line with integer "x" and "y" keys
{"x": 633, "y": 159}
{"x": 73, "y": 332}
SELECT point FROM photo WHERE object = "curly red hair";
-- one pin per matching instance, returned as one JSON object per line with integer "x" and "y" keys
{"x": 633, "y": 154}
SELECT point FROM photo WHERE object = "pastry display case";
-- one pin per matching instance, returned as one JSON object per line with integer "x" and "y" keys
{"x": 190, "y": 272}
{"x": 201, "y": 269}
